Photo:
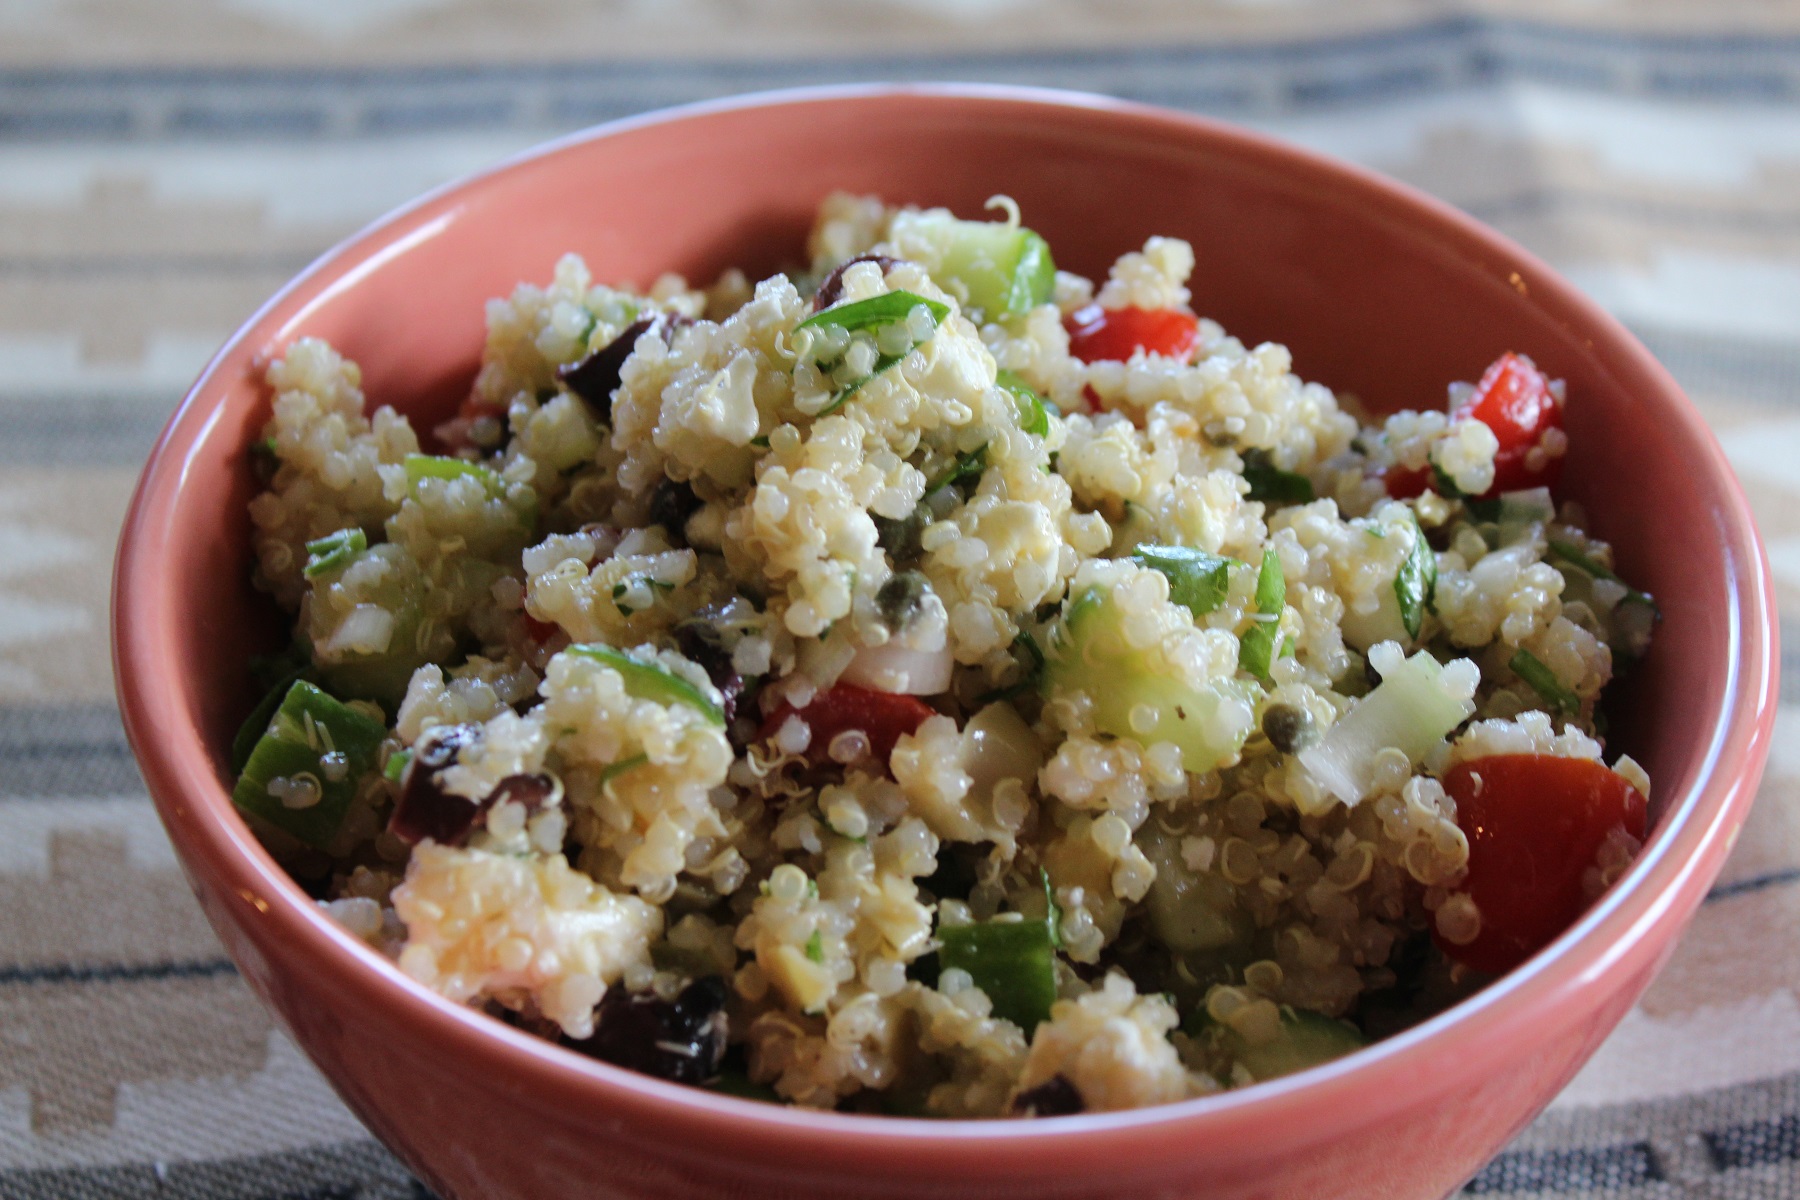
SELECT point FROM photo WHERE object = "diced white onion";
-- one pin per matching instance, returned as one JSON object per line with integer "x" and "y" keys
{"x": 894, "y": 668}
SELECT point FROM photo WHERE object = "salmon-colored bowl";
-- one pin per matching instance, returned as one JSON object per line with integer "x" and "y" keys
{"x": 1378, "y": 290}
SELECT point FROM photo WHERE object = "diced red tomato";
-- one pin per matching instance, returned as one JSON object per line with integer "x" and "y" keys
{"x": 1403, "y": 483}
{"x": 1113, "y": 334}
{"x": 540, "y": 631}
{"x": 1513, "y": 399}
{"x": 1535, "y": 823}
{"x": 881, "y": 716}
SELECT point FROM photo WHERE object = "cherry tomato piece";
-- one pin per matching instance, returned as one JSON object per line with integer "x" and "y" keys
{"x": 880, "y": 716}
{"x": 1513, "y": 399}
{"x": 1114, "y": 334}
{"x": 1535, "y": 823}
{"x": 1403, "y": 483}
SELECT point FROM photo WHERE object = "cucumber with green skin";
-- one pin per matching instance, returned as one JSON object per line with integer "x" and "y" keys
{"x": 1014, "y": 962}
{"x": 998, "y": 270}
{"x": 308, "y": 726}
{"x": 1306, "y": 1039}
{"x": 1089, "y": 653}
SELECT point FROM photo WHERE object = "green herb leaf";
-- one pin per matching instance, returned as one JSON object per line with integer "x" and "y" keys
{"x": 970, "y": 463}
{"x": 1033, "y": 675}
{"x": 1543, "y": 681}
{"x": 1256, "y": 648}
{"x": 1198, "y": 581}
{"x": 1270, "y": 483}
{"x": 1415, "y": 587}
{"x": 395, "y": 770}
{"x": 614, "y": 770}
{"x": 879, "y": 310}
{"x": 1034, "y": 410}
{"x": 815, "y": 947}
{"x": 333, "y": 551}
{"x": 867, "y": 314}
{"x": 651, "y": 681}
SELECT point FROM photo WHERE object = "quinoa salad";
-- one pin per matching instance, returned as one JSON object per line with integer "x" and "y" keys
{"x": 931, "y": 683}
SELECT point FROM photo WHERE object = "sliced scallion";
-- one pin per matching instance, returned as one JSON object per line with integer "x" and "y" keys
{"x": 651, "y": 681}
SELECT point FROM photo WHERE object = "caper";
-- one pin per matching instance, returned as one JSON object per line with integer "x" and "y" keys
{"x": 901, "y": 538}
{"x": 1288, "y": 727}
{"x": 901, "y": 598}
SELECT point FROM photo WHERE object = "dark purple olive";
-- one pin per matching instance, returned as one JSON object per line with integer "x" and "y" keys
{"x": 671, "y": 504}
{"x": 596, "y": 377}
{"x": 1055, "y": 1097}
{"x": 681, "y": 1040}
{"x": 699, "y": 640}
{"x": 425, "y": 809}
{"x": 831, "y": 288}
{"x": 532, "y": 791}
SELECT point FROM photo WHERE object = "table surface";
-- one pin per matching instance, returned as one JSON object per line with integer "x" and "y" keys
{"x": 163, "y": 168}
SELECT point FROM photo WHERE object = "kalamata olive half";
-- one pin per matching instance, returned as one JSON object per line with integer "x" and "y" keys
{"x": 831, "y": 288}
{"x": 596, "y": 377}
{"x": 681, "y": 1040}
{"x": 425, "y": 809}
{"x": 701, "y": 642}
{"x": 1055, "y": 1097}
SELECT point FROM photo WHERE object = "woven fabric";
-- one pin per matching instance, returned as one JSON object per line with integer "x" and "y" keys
{"x": 163, "y": 168}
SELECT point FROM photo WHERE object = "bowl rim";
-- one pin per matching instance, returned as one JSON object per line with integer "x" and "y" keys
{"x": 1677, "y": 863}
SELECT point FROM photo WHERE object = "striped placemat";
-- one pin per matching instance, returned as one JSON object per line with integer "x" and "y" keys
{"x": 164, "y": 168}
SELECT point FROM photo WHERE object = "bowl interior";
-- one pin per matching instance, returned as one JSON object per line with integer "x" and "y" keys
{"x": 1373, "y": 294}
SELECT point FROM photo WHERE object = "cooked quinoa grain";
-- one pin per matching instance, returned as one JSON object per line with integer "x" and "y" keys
{"x": 932, "y": 683}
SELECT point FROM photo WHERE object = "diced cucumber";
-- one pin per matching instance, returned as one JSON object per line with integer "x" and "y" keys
{"x": 370, "y": 635}
{"x": 1411, "y": 710}
{"x": 1198, "y": 581}
{"x": 1307, "y": 1039}
{"x": 1014, "y": 962}
{"x": 1522, "y": 512}
{"x": 314, "y": 746}
{"x": 997, "y": 269}
{"x": 1089, "y": 653}
{"x": 1628, "y": 623}
{"x": 420, "y": 467}
{"x": 257, "y": 723}
{"x": 651, "y": 681}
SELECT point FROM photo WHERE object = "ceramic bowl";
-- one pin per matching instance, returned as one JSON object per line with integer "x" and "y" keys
{"x": 1378, "y": 290}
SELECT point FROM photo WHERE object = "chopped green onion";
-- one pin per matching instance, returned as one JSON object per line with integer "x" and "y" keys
{"x": 420, "y": 467}
{"x": 1014, "y": 962}
{"x": 815, "y": 947}
{"x": 396, "y": 766}
{"x": 1543, "y": 681}
{"x": 333, "y": 551}
{"x": 313, "y": 754}
{"x": 970, "y": 463}
{"x": 651, "y": 681}
{"x": 1415, "y": 587}
{"x": 761, "y": 442}
{"x": 614, "y": 770}
{"x": 1034, "y": 410}
{"x": 1270, "y": 483}
{"x": 1052, "y": 911}
{"x": 1198, "y": 581}
{"x": 1256, "y": 649}
{"x": 1575, "y": 558}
